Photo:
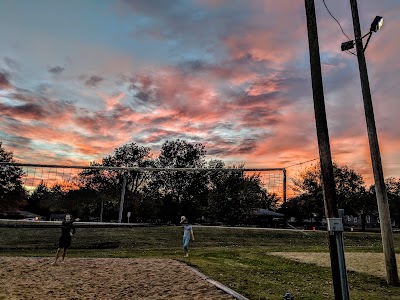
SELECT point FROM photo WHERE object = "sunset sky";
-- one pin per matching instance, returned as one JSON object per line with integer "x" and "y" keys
{"x": 80, "y": 78}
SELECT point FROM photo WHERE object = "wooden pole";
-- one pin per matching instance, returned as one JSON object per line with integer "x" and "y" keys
{"x": 380, "y": 187}
{"x": 121, "y": 203}
{"x": 284, "y": 186}
{"x": 339, "y": 276}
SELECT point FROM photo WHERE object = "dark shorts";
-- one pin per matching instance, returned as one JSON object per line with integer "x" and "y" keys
{"x": 64, "y": 242}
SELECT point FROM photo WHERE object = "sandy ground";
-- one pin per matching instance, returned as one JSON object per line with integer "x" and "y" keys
{"x": 110, "y": 278}
{"x": 369, "y": 263}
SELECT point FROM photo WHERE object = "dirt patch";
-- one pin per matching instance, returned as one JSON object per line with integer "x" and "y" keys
{"x": 369, "y": 263}
{"x": 96, "y": 278}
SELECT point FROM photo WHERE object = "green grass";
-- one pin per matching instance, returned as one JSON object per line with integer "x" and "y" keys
{"x": 238, "y": 258}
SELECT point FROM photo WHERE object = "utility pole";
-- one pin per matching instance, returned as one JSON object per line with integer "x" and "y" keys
{"x": 338, "y": 266}
{"x": 284, "y": 187}
{"x": 380, "y": 187}
{"x": 121, "y": 203}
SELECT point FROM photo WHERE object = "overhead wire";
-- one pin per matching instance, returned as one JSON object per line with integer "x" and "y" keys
{"x": 336, "y": 20}
{"x": 303, "y": 162}
{"x": 347, "y": 51}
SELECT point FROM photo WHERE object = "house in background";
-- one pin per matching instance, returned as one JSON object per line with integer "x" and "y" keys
{"x": 20, "y": 215}
{"x": 57, "y": 217}
{"x": 371, "y": 221}
{"x": 268, "y": 218}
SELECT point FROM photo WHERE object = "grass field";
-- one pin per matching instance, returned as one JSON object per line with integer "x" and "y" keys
{"x": 245, "y": 260}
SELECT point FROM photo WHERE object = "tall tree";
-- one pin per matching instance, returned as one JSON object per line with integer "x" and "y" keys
{"x": 309, "y": 203}
{"x": 235, "y": 196}
{"x": 12, "y": 193}
{"x": 39, "y": 199}
{"x": 103, "y": 184}
{"x": 129, "y": 155}
{"x": 350, "y": 191}
{"x": 393, "y": 192}
{"x": 182, "y": 192}
{"x": 116, "y": 182}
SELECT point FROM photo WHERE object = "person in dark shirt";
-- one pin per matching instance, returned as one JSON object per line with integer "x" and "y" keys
{"x": 67, "y": 231}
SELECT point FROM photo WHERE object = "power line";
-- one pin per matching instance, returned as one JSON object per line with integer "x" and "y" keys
{"x": 302, "y": 163}
{"x": 336, "y": 20}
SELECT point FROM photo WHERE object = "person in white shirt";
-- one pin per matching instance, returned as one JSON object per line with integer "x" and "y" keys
{"x": 187, "y": 234}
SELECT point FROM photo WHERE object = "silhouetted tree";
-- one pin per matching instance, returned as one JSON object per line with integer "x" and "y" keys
{"x": 39, "y": 199}
{"x": 181, "y": 192}
{"x": 113, "y": 185}
{"x": 235, "y": 197}
{"x": 393, "y": 190}
{"x": 12, "y": 193}
{"x": 350, "y": 192}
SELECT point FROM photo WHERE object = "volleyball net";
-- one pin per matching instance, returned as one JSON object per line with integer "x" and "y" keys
{"x": 69, "y": 177}
{"x": 143, "y": 190}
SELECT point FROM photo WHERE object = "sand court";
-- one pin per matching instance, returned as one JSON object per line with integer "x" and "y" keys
{"x": 102, "y": 278}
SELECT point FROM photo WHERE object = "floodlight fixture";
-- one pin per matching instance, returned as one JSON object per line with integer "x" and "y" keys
{"x": 376, "y": 24}
{"x": 347, "y": 45}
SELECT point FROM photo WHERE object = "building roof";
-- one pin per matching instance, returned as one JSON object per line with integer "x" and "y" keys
{"x": 268, "y": 213}
{"x": 58, "y": 216}
{"x": 28, "y": 214}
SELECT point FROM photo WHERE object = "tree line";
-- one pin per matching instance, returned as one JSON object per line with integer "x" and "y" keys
{"x": 352, "y": 195}
{"x": 229, "y": 197}
{"x": 214, "y": 195}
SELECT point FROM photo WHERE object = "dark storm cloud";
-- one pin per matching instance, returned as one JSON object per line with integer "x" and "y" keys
{"x": 162, "y": 120}
{"x": 17, "y": 142}
{"x": 31, "y": 111}
{"x": 154, "y": 135}
{"x": 141, "y": 81}
{"x": 94, "y": 80}
{"x": 217, "y": 145}
{"x": 157, "y": 136}
{"x": 102, "y": 122}
{"x": 190, "y": 66}
{"x": 243, "y": 99}
{"x": 145, "y": 89}
{"x": 56, "y": 70}
{"x": 192, "y": 22}
{"x": 12, "y": 64}
{"x": 93, "y": 122}
{"x": 39, "y": 108}
{"x": 172, "y": 12}
{"x": 154, "y": 7}
{"x": 261, "y": 117}
{"x": 245, "y": 146}
{"x": 4, "y": 80}
{"x": 143, "y": 96}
